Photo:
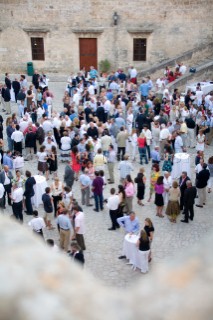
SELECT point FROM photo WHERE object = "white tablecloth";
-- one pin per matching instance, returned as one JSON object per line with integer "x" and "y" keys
{"x": 131, "y": 251}
{"x": 181, "y": 163}
{"x": 39, "y": 189}
{"x": 206, "y": 87}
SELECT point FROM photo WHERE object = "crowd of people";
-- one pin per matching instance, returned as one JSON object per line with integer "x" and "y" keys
{"x": 100, "y": 128}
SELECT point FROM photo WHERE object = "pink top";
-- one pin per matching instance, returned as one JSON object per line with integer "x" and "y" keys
{"x": 129, "y": 189}
{"x": 159, "y": 188}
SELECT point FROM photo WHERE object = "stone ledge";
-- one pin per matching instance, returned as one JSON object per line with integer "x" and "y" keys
{"x": 89, "y": 30}
{"x": 139, "y": 30}
{"x": 36, "y": 30}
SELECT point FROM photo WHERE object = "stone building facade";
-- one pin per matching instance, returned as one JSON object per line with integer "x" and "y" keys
{"x": 63, "y": 36}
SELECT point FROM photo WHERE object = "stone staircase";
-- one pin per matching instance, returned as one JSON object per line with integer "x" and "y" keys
{"x": 193, "y": 58}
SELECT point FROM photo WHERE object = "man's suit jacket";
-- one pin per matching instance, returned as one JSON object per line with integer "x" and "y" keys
{"x": 202, "y": 178}
{"x": 8, "y": 82}
{"x": 2, "y": 176}
{"x": 16, "y": 86}
{"x": 29, "y": 191}
{"x": 68, "y": 175}
{"x": 189, "y": 196}
{"x": 183, "y": 185}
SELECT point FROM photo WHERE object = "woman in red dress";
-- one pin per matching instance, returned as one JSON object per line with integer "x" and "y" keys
{"x": 75, "y": 161}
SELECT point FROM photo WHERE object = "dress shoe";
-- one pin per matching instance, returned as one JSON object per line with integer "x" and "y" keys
{"x": 204, "y": 204}
{"x": 122, "y": 257}
{"x": 191, "y": 218}
{"x": 184, "y": 221}
{"x": 95, "y": 210}
{"x": 197, "y": 205}
{"x": 111, "y": 182}
{"x": 111, "y": 229}
{"x": 89, "y": 205}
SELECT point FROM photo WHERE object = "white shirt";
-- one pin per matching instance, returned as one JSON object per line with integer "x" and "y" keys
{"x": 7, "y": 180}
{"x": 17, "y": 136}
{"x": 79, "y": 222}
{"x": 18, "y": 163}
{"x": 17, "y": 195}
{"x": 37, "y": 224}
{"x": 164, "y": 134}
{"x": 182, "y": 69}
{"x": 47, "y": 126}
{"x": 113, "y": 202}
{"x": 23, "y": 125}
{"x": 1, "y": 190}
{"x": 91, "y": 90}
{"x": 41, "y": 156}
{"x": 65, "y": 143}
{"x": 133, "y": 73}
{"x": 167, "y": 182}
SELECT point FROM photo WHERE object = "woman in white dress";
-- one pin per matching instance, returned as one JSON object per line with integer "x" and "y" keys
{"x": 65, "y": 147}
{"x": 200, "y": 141}
{"x": 134, "y": 141}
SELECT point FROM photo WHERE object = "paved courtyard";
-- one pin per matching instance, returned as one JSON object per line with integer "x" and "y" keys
{"x": 104, "y": 247}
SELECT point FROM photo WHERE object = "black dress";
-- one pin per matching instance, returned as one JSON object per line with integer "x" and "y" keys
{"x": 53, "y": 164}
{"x": 159, "y": 202}
{"x": 140, "y": 186}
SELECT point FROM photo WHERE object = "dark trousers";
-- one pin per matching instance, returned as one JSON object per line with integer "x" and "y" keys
{"x": 39, "y": 233}
{"x": 181, "y": 201}
{"x": 148, "y": 151}
{"x": 7, "y": 191}
{"x": 121, "y": 153}
{"x": 56, "y": 199}
{"x": 113, "y": 216}
{"x": 98, "y": 201}
{"x": 28, "y": 205}
{"x": 80, "y": 241}
{"x": 17, "y": 211}
{"x": 142, "y": 153}
{"x": 189, "y": 212}
{"x": 18, "y": 147}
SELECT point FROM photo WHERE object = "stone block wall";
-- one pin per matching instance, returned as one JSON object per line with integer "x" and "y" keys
{"x": 170, "y": 26}
{"x": 39, "y": 284}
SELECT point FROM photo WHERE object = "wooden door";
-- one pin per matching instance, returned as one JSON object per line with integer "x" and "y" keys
{"x": 88, "y": 53}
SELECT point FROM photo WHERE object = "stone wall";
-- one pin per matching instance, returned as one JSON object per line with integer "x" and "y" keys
{"x": 39, "y": 284}
{"x": 170, "y": 26}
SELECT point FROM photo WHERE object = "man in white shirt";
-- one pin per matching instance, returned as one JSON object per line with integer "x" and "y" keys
{"x": 1, "y": 197}
{"x": 23, "y": 124}
{"x": 18, "y": 162}
{"x": 76, "y": 98}
{"x": 113, "y": 204}
{"x": 47, "y": 125}
{"x": 167, "y": 183}
{"x": 17, "y": 198}
{"x": 164, "y": 136}
{"x": 91, "y": 89}
{"x": 79, "y": 227}
{"x": 182, "y": 69}
{"x": 106, "y": 141}
{"x": 178, "y": 143}
{"x": 37, "y": 224}
{"x": 133, "y": 75}
{"x": 17, "y": 137}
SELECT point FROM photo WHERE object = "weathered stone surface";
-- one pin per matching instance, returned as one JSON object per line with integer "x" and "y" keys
{"x": 177, "y": 26}
{"x": 39, "y": 284}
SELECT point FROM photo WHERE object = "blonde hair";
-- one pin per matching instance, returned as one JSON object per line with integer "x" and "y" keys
{"x": 149, "y": 222}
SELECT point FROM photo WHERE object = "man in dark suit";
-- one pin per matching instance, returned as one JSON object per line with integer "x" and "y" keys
{"x": 7, "y": 98}
{"x": 69, "y": 176}
{"x": 182, "y": 185}
{"x": 35, "y": 79}
{"x": 16, "y": 87}
{"x": 5, "y": 178}
{"x": 188, "y": 201}
{"x": 7, "y": 81}
{"x": 77, "y": 254}
{"x": 201, "y": 184}
{"x": 29, "y": 192}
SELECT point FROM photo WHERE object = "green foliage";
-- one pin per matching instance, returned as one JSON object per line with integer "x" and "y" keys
{"x": 104, "y": 65}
